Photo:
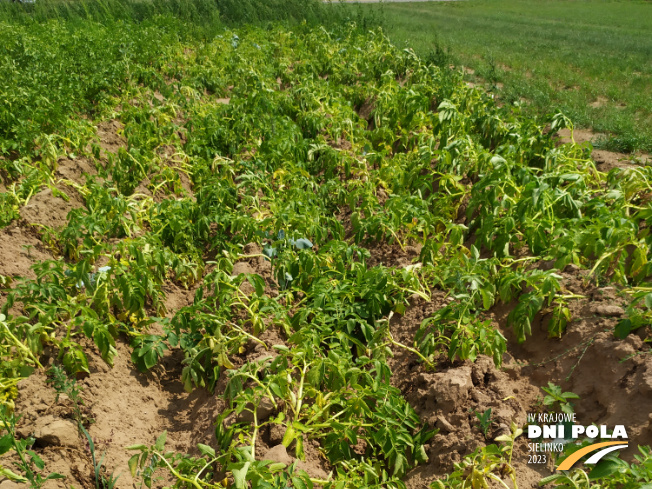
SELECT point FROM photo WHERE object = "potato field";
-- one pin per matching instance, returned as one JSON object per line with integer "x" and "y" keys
{"x": 293, "y": 255}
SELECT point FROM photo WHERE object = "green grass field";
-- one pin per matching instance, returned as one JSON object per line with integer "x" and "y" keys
{"x": 591, "y": 59}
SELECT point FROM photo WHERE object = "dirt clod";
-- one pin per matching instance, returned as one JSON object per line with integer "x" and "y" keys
{"x": 278, "y": 454}
{"x": 645, "y": 387}
{"x": 607, "y": 310}
{"x": 7, "y": 484}
{"x": 450, "y": 389}
{"x": 276, "y": 433}
{"x": 49, "y": 430}
{"x": 443, "y": 424}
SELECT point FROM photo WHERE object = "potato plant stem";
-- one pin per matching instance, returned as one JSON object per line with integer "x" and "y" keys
{"x": 395, "y": 236}
{"x": 500, "y": 481}
{"x": 416, "y": 292}
{"x": 266, "y": 389}
{"x": 410, "y": 349}
{"x": 176, "y": 474}
{"x": 300, "y": 392}
{"x": 246, "y": 257}
{"x": 251, "y": 337}
{"x": 571, "y": 296}
{"x": 255, "y": 433}
{"x": 18, "y": 344}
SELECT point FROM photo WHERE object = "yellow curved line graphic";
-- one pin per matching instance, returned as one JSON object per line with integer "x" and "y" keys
{"x": 570, "y": 460}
